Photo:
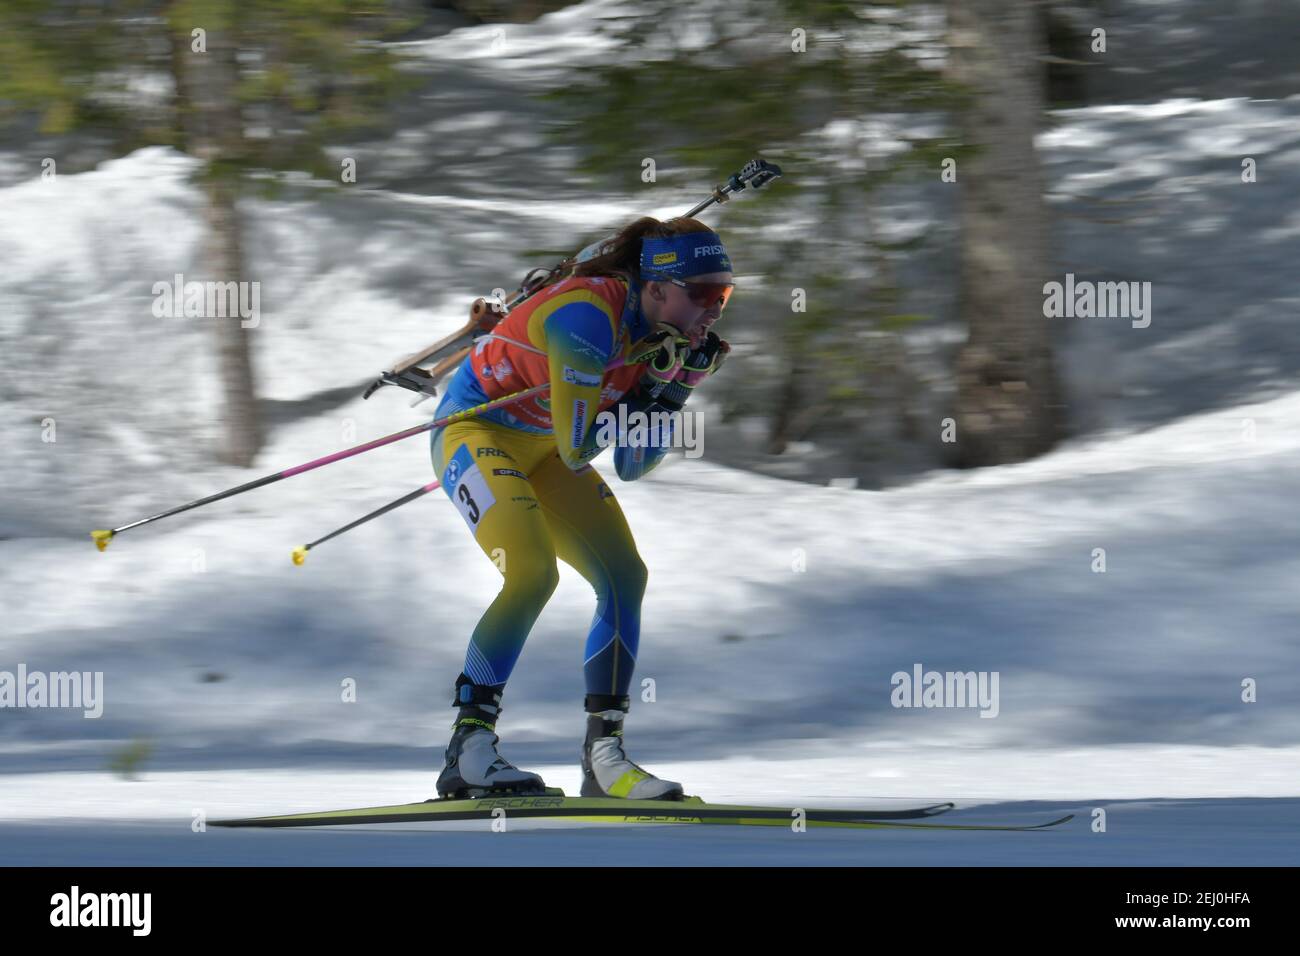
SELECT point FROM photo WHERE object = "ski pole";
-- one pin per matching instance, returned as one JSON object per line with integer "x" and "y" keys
{"x": 103, "y": 537}
{"x": 755, "y": 174}
{"x": 300, "y": 553}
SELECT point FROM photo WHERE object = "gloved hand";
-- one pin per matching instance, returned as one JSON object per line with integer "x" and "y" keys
{"x": 695, "y": 366}
{"x": 666, "y": 364}
{"x": 663, "y": 351}
{"x": 702, "y": 362}
{"x": 666, "y": 346}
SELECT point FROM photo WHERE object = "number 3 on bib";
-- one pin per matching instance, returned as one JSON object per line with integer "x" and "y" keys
{"x": 467, "y": 488}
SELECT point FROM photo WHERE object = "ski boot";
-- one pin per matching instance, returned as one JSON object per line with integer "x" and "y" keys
{"x": 606, "y": 771}
{"x": 474, "y": 767}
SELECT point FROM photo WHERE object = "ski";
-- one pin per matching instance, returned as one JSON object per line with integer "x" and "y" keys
{"x": 553, "y": 804}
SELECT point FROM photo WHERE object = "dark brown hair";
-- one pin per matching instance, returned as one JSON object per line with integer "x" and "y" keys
{"x": 622, "y": 256}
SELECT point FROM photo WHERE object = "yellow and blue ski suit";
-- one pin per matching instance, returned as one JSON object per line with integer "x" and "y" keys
{"x": 521, "y": 476}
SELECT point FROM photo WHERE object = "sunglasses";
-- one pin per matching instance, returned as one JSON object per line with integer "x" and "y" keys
{"x": 703, "y": 294}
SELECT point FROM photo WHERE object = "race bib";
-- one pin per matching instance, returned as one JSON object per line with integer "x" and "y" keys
{"x": 467, "y": 488}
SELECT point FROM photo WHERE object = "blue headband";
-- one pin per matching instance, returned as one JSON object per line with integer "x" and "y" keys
{"x": 690, "y": 254}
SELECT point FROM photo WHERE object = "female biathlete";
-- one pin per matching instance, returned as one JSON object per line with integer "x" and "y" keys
{"x": 521, "y": 477}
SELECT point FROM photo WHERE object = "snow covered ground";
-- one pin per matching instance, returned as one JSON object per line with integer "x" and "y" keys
{"x": 978, "y": 571}
{"x": 1123, "y": 685}
{"x": 771, "y": 630}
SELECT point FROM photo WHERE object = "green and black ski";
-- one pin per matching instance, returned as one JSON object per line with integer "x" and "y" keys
{"x": 554, "y": 805}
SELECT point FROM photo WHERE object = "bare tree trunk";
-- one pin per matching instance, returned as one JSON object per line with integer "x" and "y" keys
{"x": 779, "y": 433}
{"x": 1008, "y": 405}
{"x": 178, "y": 54}
{"x": 206, "y": 85}
{"x": 241, "y": 421}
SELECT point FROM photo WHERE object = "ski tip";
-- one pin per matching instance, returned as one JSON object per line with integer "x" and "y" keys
{"x": 101, "y": 539}
{"x": 300, "y": 555}
{"x": 1049, "y": 824}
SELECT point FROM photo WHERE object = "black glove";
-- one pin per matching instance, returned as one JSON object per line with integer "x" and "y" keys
{"x": 698, "y": 365}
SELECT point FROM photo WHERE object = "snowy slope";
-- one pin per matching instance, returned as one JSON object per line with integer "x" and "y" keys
{"x": 984, "y": 571}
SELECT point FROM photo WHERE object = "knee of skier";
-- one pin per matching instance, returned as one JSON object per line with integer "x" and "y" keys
{"x": 532, "y": 580}
{"x": 636, "y": 576}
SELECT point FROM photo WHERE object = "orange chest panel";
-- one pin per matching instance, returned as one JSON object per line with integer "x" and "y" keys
{"x": 513, "y": 357}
